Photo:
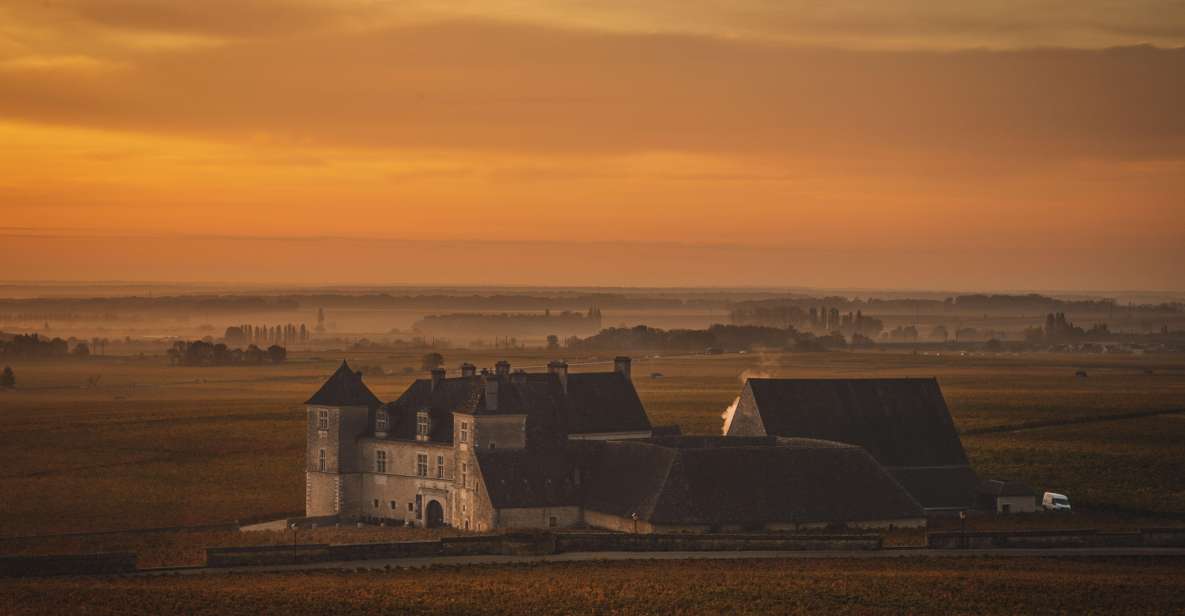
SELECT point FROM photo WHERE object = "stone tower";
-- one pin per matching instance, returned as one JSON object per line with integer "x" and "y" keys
{"x": 340, "y": 412}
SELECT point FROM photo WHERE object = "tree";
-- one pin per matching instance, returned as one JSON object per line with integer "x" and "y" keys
{"x": 553, "y": 342}
{"x": 277, "y": 353}
{"x": 7, "y": 378}
{"x": 320, "y": 320}
{"x": 82, "y": 349}
{"x": 431, "y": 361}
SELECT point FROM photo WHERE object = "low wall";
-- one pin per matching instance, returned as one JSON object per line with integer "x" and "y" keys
{"x": 68, "y": 564}
{"x": 521, "y": 544}
{"x": 1030, "y": 539}
{"x": 616, "y": 542}
{"x": 1163, "y": 537}
{"x": 267, "y": 555}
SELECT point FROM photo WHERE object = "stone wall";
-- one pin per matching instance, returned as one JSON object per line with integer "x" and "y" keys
{"x": 532, "y": 544}
{"x": 1075, "y": 538}
{"x": 68, "y": 564}
{"x": 539, "y": 517}
{"x": 1163, "y": 537}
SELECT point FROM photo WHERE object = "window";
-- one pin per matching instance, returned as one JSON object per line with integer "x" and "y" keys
{"x": 392, "y": 505}
{"x": 493, "y": 445}
{"x": 464, "y": 509}
{"x": 440, "y": 467}
{"x": 376, "y": 503}
{"x": 422, "y": 464}
{"x": 423, "y": 425}
{"x": 411, "y": 507}
{"x": 464, "y": 475}
{"x": 322, "y": 419}
{"x": 464, "y": 432}
{"x": 380, "y": 461}
{"x": 419, "y": 506}
{"x": 380, "y": 421}
{"x": 321, "y": 461}
{"x": 552, "y": 521}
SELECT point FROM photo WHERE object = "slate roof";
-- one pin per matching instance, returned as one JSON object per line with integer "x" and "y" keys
{"x": 595, "y": 402}
{"x": 901, "y": 422}
{"x": 528, "y": 478}
{"x": 345, "y": 388}
{"x": 939, "y": 487}
{"x": 449, "y": 396}
{"x": 600, "y": 402}
{"x": 746, "y": 481}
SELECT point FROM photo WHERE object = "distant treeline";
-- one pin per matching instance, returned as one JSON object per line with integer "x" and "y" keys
{"x": 797, "y": 312}
{"x": 202, "y": 353}
{"x": 110, "y": 308}
{"x": 33, "y": 346}
{"x": 283, "y": 335}
{"x": 107, "y": 307}
{"x": 816, "y": 319}
{"x": 715, "y": 338}
{"x": 504, "y": 323}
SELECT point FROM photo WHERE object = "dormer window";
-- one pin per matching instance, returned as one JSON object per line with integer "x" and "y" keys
{"x": 380, "y": 422}
{"x": 423, "y": 426}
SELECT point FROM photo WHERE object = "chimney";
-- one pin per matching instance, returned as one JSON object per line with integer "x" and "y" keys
{"x": 519, "y": 377}
{"x": 491, "y": 394}
{"x": 502, "y": 368}
{"x": 468, "y": 369}
{"x": 621, "y": 364}
{"x": 437, "y": 377}
{"x": 560, "y": 369}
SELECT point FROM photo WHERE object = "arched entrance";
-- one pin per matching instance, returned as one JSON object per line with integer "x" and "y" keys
{"x": 435, "y": 517}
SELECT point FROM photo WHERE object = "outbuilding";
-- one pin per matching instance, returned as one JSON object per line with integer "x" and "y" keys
{"x": 1006, "y": 497}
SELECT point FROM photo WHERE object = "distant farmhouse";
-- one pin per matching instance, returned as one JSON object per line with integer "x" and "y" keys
{"x": 511, "y": 449}
{"x": 903, "y": 423}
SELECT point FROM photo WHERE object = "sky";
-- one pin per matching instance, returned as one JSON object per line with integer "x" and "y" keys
{"x": 979, "y": 145}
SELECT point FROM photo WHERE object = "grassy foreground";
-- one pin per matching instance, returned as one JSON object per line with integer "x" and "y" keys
{"x": 852, "y": 586}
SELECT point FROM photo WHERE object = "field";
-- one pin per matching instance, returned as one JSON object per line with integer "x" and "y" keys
{"x": 849, "y": 586}
{"x": 159, "y": 446}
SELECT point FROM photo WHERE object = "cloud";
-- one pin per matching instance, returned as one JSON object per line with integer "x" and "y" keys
{"x": 482, "y": 86}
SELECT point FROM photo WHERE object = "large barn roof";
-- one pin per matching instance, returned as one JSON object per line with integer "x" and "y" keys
{"x": 345, "y": 388}
{"x": 901, "y": 422}
{"x": 706, "y": 480}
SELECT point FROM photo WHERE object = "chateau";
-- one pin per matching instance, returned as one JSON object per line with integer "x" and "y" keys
{"x": 511, "y": 449}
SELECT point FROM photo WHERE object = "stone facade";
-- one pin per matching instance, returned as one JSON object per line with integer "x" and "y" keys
{"x": 361, "y": 466}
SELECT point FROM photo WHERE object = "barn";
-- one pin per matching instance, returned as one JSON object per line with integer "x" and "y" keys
{"x": 904, "y": 424}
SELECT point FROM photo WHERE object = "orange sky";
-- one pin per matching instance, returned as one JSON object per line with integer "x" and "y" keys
{"x": 989, "y": 145}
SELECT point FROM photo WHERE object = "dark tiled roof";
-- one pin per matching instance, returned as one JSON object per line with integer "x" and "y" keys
{"x": 345, "y": 388}
{"x": 942, "y": 487}
{"x": 603, "y": 402}
{"x": 449, "y": 396}
{"x": 595, "y": 402}
{"x": 901, "y": 422}
{"x": 706, "y": 480}
{"x": 527, "y": 478}
{"x": 994, "y": 487}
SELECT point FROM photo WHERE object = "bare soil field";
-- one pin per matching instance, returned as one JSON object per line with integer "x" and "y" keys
{"x": 884, "y": 586}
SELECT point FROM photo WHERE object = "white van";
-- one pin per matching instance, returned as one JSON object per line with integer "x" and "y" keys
{"x": 1052, "y": 501}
